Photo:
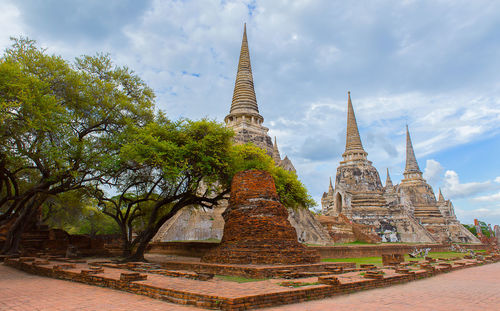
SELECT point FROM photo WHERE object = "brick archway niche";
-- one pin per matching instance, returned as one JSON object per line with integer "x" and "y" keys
{"x": 338, "y": 203}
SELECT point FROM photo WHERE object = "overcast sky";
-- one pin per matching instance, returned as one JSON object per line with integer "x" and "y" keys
{"x": 434, "y": 65}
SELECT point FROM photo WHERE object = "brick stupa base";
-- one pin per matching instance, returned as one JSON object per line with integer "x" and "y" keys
{"x": 257, "y": 230}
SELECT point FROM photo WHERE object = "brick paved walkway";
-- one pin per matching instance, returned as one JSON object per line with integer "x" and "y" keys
{"x": 476, "y": 288}
{"x": 20, "y": 291}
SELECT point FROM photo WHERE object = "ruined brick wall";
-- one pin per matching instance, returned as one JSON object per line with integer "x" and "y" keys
{"x": 197, "y": 249}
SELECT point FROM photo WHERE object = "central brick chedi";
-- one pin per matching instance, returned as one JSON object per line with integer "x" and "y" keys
{"x": 257, "y": 230}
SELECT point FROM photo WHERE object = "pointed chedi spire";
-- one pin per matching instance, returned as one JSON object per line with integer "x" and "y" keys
{"x": 287, "y": 164}
{"x": 441, "y": 197}
{"x": 411, "y": 170}
{"x": 353, "y": 146}
{"x": 353, "y": 141}
{"x": 330, "y": 188}
{"x": 244, "y": 118}
{"x": 276, "y": 153}
{"x": 388, "y": 181}
{"x": 244, "y": 99}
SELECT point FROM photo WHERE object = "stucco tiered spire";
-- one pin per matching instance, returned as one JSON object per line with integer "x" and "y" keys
{"x": 244, "y": 108}
{"x": 244, "y": 99}
{"x": 353, "y": 146}
{"x": 276, "y": 152}
{"x": 330, "y": 188}
{"x": 353, "y": 141}
{"x": 411, "y": 170}
{"x": 388, "y": 181}
{"x": 244, "y": 118}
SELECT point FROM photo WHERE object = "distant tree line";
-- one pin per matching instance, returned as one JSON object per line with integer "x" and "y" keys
{"x": 82, "y": 142}
{"x": 484, "y": 229}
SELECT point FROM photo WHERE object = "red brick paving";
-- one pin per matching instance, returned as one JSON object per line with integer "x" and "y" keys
{"x": 20, "y": 291}
{"x": 476, "y": 288}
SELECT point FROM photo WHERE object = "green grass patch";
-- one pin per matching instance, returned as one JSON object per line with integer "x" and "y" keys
{"x": 358, "y": 261}
{"x": 237, "y": 279}
{"x": 356, "y": 243}
{"x": 297, "y": 284}
{"x": 445, "y": 255}
{"x": 378, "y": 260}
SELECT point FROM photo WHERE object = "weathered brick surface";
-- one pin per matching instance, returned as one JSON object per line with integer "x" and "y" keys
{"x": 233, "y": 296}
{"x": 198, "y": 249}
{"x": 392, "y": 259}
{"x": 256, "y": 271}
{"x": 468, "y": 289}
{"x": 257, "y": 230}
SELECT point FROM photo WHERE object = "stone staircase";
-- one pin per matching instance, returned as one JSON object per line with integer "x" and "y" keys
{"x": 428, "y": 214}
{"x": 363, "y": 200}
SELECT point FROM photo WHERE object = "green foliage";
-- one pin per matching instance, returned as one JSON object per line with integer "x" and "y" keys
{"x": 161, "y": 168}
{"x": 89, "y": 124}
{"x": 62, "y": 124}
{"x": 76, "y": 213}
{"x": 61, "y": 121}
{"x": 471, "y": 228}
{"x": 484, "y": 228}
{"x": 378, "y": 260}
{"x": 291, "y": 191}
{"x": 92, "y": 221}
{"x": 180, "y": 150}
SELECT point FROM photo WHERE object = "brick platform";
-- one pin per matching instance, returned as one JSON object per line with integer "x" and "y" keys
{"x": 257, "y": 230}
{"x": 467, "y": 289}
{"x": 257, "y": 271}
{"x": 224, "y": 295}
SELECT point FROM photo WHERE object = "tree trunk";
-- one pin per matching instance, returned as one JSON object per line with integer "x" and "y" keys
{"x": 11, "y": 245}
{"x": 148, "y": 234}
{"x": 127, "y": 248}
{"x": 28, "y": 213}
{"x": 126, "y": 245}
{"x": 144, "y": 238}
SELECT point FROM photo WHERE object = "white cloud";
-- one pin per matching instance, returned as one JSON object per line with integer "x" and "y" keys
{"x": 10, "y": 23}
{"x": 433, "y": 172}
{"x": 489, "y": 215}
{"x": 454, "y": 189}
{"x": 489, "y": 198}
{"x": 432, "y": 66}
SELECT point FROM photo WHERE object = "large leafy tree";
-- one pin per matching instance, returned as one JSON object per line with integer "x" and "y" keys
{"x": 61, "y": 123}
{"x": 89, "y": 125}
{"x": 165, "y": 167}
{"x": 77, "y": 213}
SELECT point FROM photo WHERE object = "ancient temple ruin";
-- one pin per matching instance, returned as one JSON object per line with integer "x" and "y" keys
{"x": 358, "y": 207}
{"x": 195, "y": 223}
{"x": 407, "y": 212}
{"x": 257, "y": 230}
